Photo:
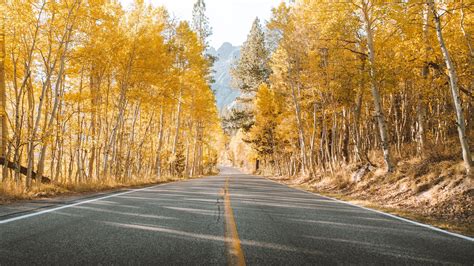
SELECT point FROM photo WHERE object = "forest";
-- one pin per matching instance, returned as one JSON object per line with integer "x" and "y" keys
{"x": 92, "y": 93}
{"x": 328, "y": 84}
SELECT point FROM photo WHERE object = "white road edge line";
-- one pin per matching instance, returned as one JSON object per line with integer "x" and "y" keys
{"x": 383, "y": 213}
{"x": 75, "y": 204}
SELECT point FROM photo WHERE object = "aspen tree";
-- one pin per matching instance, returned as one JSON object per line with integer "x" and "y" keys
{"x": 327, "y": 56}
{"x": 3, "y": 113}
{"x": 366, "y": 8}
{"x": 453, "y": 83}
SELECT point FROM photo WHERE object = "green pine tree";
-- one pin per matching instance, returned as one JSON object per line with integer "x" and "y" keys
{"x": 252, "y": 68}
{"x": 248, "y": 74}
{"x": 200, "y": 23}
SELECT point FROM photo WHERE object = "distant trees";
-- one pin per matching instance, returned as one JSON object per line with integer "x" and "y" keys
{"x": 351, "y": 77}
{"x": 95, "y": 93}
{"x": 200, "y": 23}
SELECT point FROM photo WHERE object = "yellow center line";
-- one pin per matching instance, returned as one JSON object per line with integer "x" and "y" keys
{"x": 235, "y": 255}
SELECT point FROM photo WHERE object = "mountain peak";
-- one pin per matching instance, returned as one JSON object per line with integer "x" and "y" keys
{"x": 225, "y": 50}
{"x": 225, "y": 45}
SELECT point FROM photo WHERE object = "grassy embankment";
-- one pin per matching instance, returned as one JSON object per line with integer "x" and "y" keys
{"x": 434, "y": 189}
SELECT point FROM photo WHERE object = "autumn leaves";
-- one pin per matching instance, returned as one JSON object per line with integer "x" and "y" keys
{"x": 352, "y": 77}
{"x": 96, "y": 93}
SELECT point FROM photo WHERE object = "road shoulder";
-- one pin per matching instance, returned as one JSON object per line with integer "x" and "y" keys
{"x": 462, "y": 230}
{"x": 17, "y": 207}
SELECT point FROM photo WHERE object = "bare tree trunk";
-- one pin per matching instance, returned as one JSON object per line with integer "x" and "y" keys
{"x": 46, "y": 84}
{"x": 384, "y": 138}
{"x": 359, "y": 154}
{"x": 453, "y": 81}
{"x": 200, "y": 169}
{"x": 421, "y": 109}
{"x": 468, "y": 38}
{"x": 160, "y": 143}
{"x": 312, "y": 162}
{"x": 177, "y": 127}
{"x": 93, "y": 86}
{"x": 195, "y": 144}
{"x": 186, "y": 164}
{"x": 3, "y": 96}
{"x": 139, "y": 161}
{"x": 345, "y": 138}
{"x": 131, "y": 141}
{"x": 60, "y": 147}
{"x": 301, "y": 135}
{"x": 59, "y": 87}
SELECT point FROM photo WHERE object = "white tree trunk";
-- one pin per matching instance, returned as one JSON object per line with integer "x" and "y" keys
{"x": 374, "y": 87}
{"x": 301, "y": 135}
{"x": 3, "y": 113}
{"x": 177, "y": 128}
{"x": 453, "y": 82}
{"x": 160, "y": 143}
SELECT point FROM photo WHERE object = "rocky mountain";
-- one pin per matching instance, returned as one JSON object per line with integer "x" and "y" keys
{"x": 225, "y": 94}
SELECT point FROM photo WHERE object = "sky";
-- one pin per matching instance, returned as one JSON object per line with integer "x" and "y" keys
{"x": 230, "y": 19}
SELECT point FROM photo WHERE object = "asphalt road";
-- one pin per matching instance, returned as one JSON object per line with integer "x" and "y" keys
{"x": 183, "y": 223}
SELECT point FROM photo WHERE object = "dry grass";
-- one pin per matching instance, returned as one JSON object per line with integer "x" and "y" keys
{"x": 461, "y": 227}
{"x": 434, "y": 189}
{"x": 10, "y": 191}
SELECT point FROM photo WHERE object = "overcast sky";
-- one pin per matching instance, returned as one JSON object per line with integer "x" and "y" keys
{"x": 230, "y": 19}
